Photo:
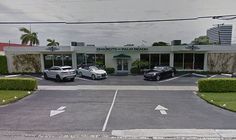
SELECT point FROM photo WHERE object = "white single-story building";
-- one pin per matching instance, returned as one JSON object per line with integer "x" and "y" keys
{"x": 198, "y": 57}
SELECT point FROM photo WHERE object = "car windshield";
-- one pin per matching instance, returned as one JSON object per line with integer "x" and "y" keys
{"x": 158, "y": 68}
{"x": 67, "y": 68}
{"x": 94, "y": 68}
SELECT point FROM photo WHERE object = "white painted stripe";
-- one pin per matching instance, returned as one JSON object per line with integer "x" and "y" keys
{"x": 8, "y": 76}
{"x": 109, "y": 112}
{"x": 211, "y": 76}
{"x": 200, "y": 75}
{"x": 173, "y": 78}
{"x": 163, "y": 112}
{"x": 228, "y": 75}
{"x": 61, "y": 108}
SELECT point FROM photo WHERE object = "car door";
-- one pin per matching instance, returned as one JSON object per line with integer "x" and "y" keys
{"x": 86, "y": 71}
{"x": 49, "y": 72}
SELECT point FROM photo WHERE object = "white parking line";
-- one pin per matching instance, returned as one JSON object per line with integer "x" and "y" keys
{"x": 8, "y": 76}
{"x": 212, "y": 76}
{"x": 173, "y": 78}
{"x": 109, "y": 112}
{"x": 78, "y": 78}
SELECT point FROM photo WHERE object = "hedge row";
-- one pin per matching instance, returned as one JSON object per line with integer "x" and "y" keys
{"x": 110, "y": 70}
{"x": 3, "y": 65}
{"x": 18, "y": 84}
{"x": 217, "y": 85}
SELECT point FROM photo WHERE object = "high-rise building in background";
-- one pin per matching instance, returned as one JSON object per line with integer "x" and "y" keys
{"x": 220, "y": 34}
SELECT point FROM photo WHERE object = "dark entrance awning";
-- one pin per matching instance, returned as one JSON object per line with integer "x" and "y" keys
{"x": 121, "y": 56}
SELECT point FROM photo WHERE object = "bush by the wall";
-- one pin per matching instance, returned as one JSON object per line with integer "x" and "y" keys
{"x": 3, "y": 65}
{"x": 217, "y": 85}
{"x": 18, "y": 84}
{"x": 135, "y": 70}
{"x": 110, "y": 70}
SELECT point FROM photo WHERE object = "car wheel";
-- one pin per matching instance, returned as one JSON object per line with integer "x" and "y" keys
{"x": 45, "y": 76}
{"x": 80, "y": 74}
{"x": 58, "y": 79}
{"x": 93, "y": 77}
{"x": 72, "y": 79}
{"x": 158, "y": 78}
{"x": 172, "y": 74}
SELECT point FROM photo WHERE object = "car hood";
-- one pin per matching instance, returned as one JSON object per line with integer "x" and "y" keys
{"x": 99, "y": 71}
{"x": 156, "y": 72}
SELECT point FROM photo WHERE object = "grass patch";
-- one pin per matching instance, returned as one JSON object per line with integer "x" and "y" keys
{"x": 9, "y": 96}
{"x": 226, "y": 100}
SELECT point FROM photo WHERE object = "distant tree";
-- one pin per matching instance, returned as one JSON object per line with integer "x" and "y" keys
{"x": 201, "y": 40}
{"x": 160, "y": 43}
{"x": 29, "y": 37}
{"x": 52, "y": 42}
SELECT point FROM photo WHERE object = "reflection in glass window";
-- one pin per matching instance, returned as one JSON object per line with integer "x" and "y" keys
{"x": 100, "y": 60}
{"x": 58, "y": 60}
{"x": 90, "y": 59}
{"x": 48, "y": 61}
{"x": 188, "y": 61}
{"x": 145, "y": 58}
{"x": 199, "y": 62}
{"x": 154, "y": 60}
{"x": 165, "y": 59}
{"x": 80, "y": 59}
{"x": 67, "y": 59}
{"x": 178, "y": 61}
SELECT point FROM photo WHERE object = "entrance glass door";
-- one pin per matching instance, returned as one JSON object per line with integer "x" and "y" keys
{"x": 122, "y": 65}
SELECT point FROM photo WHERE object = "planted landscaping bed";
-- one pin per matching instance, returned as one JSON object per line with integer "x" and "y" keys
{"x": 219, "y": 91}
{"x": 9, "y": 96}
{"x": 13, "y": 89}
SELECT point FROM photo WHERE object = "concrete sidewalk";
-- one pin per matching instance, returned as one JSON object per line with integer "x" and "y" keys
{"x": 120, "y": 87}
{"x": 136, "y": 134}
{"x": 213, "y": 134}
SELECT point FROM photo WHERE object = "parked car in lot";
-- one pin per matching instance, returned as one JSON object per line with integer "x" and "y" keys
{"x": 160, "y": 72}
{"x": 91, "y": 72}
{"x": 233, "y": 75}
{"x": 60, "y": 73}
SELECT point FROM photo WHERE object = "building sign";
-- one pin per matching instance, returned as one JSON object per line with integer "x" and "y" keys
{"x": 122, "y": 49}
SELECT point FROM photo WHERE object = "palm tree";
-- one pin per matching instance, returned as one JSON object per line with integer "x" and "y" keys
{"x": 52, "y": 42}
{"x": 29, "y": 37}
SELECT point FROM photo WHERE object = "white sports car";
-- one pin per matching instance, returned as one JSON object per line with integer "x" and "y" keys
{"x": 92, "y": 72}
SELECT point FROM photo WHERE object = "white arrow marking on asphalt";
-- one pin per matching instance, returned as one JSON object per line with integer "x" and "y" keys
{"x": 162, "y": 109}
{"x": 58, "y": 111}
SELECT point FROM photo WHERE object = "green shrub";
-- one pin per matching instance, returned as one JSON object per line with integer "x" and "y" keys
{"x": 3, "y": 65}
{"x": 18, "y": 84}
{"x": 135, "y": 70}
{"x": 217, "y": 85}
{"x": 110, "y": 70}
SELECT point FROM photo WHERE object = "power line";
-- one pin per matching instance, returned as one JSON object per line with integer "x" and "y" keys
{"x": 219, "y": 17}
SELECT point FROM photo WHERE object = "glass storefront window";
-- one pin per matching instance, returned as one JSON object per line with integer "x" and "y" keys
{"x": 199, "y": 61}
{"x": 154, "y": 60}
{"x": 90, "y": 59}
{"x": 145, "y": 58}
{"x": 48, "y": 61}
{"x": 100, "y": 60}
{"x": 178, "y": 61}
{"x": 57, "y": 60}
{"x": 80, "y": 59}
{"x": 188, "y": 61}
{"x": 67, "y": 59}
{"x": 165, "y": 59}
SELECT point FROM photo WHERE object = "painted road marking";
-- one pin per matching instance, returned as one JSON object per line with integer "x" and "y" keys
{"x": 109, "y": 112}
{"x": 78, "y": 78}
{"x": 173, "y": 78}
{"x": 9, "y": 76}
{"x": 199, "y": 75}
{"x": 162, "y": 109}
{"x": 212, "y": 76}
{"x": 228, "y": 75}
{"x": 58, "y": 111}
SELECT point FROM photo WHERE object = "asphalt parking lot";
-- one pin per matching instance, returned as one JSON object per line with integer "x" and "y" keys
{"x": 107, "y": 110}
{"x": 88, "y": 110}
{"x": 180, "y": 80}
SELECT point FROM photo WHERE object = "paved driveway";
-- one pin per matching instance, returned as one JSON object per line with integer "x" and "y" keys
{"x": 89, "y": 110}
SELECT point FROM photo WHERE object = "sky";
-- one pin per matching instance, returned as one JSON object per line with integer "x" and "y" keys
{"x": 110, "y": 10}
